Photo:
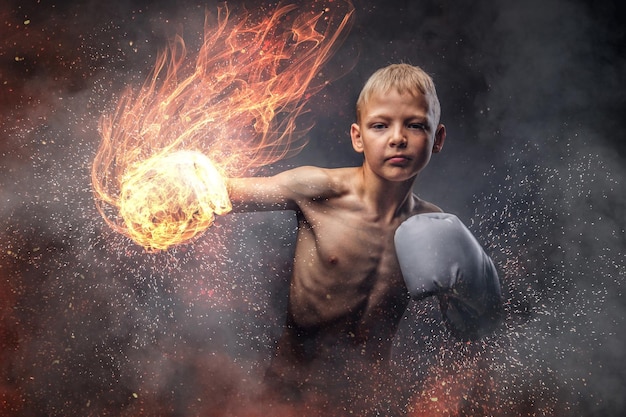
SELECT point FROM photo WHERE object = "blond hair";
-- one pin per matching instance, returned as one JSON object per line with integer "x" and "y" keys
{"x": 404, "y": 78}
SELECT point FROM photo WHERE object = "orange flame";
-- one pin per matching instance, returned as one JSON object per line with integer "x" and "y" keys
{"x": 167, "y": 148}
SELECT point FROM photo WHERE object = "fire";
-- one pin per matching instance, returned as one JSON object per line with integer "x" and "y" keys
{"x": 170, "y": 198}
{"x": 159, "y": 173}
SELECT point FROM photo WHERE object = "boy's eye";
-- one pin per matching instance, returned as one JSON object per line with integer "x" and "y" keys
{"x": 419, "y": 126}
{"x": 378, "y": 126}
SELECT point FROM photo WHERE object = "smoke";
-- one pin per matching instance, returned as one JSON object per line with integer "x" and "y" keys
{"x": 532, "y": 96}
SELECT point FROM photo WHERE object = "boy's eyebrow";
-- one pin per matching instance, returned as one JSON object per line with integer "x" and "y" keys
{"x": 424, "y": 119}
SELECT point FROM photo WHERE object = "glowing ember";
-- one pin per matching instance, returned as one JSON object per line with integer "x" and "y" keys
{"x": 237, "y": 107}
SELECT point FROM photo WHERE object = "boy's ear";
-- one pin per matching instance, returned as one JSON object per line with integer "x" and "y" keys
{"x": 355, "y": 134}
{"x": 440, "y": 138}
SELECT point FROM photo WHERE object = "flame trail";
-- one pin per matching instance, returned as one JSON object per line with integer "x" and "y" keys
{"x": 158, "y": 175}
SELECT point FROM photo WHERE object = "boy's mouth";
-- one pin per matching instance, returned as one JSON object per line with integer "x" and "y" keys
{"x": 398, "y": 159}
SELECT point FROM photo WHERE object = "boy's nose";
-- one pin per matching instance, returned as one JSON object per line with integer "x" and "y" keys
{"x": 398, "y": 138}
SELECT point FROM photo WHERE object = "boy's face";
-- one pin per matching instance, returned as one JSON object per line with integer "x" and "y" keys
{"x": 397, "y": 135}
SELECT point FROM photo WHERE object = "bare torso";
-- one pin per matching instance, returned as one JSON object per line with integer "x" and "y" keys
{"x": 346, "y": 280}
{"x": 347, "y": 294}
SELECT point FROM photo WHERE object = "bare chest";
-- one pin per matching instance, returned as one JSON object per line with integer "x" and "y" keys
{"x": 346, "y": 270}
{"x": 341, "y": 238}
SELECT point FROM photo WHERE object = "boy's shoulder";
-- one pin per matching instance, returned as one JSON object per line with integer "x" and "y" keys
{"x": 329, "y": 177}
{"x": 317, "y": 182}
{"x": 311, "y": 170}
{"x": 422, "y": 206}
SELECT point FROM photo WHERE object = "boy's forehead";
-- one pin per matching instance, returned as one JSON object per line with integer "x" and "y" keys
{"x": 415, "y": 97}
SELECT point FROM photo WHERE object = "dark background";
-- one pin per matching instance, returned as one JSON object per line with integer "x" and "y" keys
{"x": 533, "y": 96}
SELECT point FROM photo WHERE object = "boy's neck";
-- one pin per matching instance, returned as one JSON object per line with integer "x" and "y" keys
{"x": 388, "y": 199}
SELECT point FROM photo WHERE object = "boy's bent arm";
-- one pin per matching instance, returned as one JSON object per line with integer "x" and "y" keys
{"x": 284, "y": 191}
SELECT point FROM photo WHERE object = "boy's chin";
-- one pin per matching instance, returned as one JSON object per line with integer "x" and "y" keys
{"x": 400, "y": 178}
{"x": 394, "y": 174}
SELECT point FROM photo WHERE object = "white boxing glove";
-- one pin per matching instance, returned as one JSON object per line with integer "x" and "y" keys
{"x": 439, "y": 256}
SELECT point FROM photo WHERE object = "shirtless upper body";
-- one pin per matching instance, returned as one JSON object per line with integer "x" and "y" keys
{"x": 347, "y": 294}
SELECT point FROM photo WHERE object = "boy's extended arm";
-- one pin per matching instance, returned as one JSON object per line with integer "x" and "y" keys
{"x": 284, "y": 191}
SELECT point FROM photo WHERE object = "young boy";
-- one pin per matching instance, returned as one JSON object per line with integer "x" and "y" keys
{"x": 347, "y": 292}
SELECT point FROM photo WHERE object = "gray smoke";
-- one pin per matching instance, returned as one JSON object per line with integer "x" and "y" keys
{"x": 532, "y": 96}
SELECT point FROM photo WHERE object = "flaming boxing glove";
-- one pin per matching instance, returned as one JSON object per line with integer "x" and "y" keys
{"x": 439, "y": 256}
